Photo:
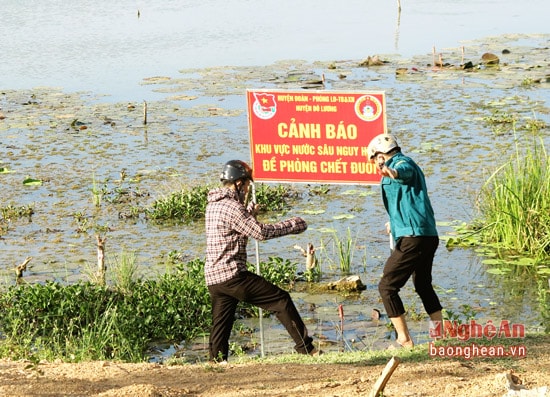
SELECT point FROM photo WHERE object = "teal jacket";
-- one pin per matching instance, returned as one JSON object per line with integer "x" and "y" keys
{"x": 406, "y": 199}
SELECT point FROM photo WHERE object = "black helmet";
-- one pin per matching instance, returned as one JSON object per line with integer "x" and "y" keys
{"x": 235, "y": 170}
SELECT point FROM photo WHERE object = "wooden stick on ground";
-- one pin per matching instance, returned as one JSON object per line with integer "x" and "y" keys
{"x": 383, "y": 379}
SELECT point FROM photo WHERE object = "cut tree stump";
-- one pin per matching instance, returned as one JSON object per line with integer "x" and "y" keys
{"x": 383, "y": 379}
{"x": 101, "y": 259}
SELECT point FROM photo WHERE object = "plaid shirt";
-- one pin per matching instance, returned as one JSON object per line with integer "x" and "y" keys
{"x": 228, "y": 226}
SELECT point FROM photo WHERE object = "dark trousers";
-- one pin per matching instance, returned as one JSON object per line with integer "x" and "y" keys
{"x": 411, "y": 256}
{"x": 251, "y": 288}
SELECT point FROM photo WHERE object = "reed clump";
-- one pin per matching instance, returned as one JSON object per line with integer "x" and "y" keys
{"x": 514, "y": 203}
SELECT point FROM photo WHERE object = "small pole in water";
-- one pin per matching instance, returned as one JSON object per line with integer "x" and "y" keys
{"x": 144, "y": 112}
{"x": 341, "y": 315}
{"x": 399, "y": 5}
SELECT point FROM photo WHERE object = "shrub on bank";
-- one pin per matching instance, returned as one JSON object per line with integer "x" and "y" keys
{"x": 86, "y": 321}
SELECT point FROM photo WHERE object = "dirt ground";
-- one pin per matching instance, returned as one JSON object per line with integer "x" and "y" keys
{"x": 314, "y": 377}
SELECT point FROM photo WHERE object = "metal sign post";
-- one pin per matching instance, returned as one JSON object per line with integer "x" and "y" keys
{"x": 258, "y": 272}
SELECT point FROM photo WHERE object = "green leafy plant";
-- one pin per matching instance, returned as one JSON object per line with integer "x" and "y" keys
{"x": 190, "y": 205}
{"x": 184, "y": 206}
{"x": 16, "y": 211}
{"x": 466, "y": 313}
{"x": 86, "y": 321}
{"x": 274, "y": 198}
{"x": 514, "y": 213}
{"x": 343, "y": 250}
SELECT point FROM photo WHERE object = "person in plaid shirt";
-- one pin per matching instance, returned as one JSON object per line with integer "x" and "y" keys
{"x": 229, "y": 224}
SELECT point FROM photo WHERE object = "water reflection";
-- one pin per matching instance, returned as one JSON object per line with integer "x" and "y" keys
{"x": 105, "y": 47}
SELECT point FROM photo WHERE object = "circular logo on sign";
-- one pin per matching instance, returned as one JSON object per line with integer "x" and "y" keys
{"x": 264, "y": 105}
{"x": 368, "y": 108}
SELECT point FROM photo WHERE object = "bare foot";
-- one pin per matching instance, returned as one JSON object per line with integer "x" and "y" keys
{"x": 408, "y": 343}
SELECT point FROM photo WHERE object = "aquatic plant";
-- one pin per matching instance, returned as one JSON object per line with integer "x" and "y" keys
{"x": 514, "y": 203}
{"x": 185, "y": 206}
{"x": 12, "y": 211}
{"x": 274, "y": 198}
{"x": 513, "y": 222}
{"x": 87, "y": 321}
{"x": 343, "y": 249}
{"x": 190, "y": 204}
{"x": 117, "y": 321}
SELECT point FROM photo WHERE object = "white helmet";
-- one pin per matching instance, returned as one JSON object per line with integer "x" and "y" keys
{"x": 383, "y": 143}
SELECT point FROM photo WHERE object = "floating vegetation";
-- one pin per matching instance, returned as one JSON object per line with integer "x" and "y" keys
{"x": 190, "y": 204}
{"x": 32, "y": 182}
{"x": 184, "y": 206}
{"x": 16, "y": 211}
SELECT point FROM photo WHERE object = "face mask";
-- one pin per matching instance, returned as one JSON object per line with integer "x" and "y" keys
{"x": 243, "y": 191}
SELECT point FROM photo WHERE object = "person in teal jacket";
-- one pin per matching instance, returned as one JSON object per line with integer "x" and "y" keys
{"x": 412, "y": 231}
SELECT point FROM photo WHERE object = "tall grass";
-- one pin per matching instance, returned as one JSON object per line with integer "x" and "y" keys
{"x": 124, "y": 270}
{"x": 515, "y": 203}
{"x": 343, "y": 250}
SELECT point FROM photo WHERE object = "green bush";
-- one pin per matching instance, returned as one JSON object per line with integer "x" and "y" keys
{"x": 175, "y": 307}
{"x": 190, "y": 205}
{"x": 185, "y": 206}
{"x": 93, "y": 322}
{"x": 86, "y": 321}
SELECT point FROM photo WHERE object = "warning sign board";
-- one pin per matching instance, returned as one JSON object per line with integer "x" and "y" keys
{"x": 314, "y": 136}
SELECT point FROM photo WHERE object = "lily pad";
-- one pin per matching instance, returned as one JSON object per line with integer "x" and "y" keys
{"x": 314, "y": 212}
{"x": 32, "y": 182}
{"x": 327, "y": 230}
{"x": 492, "y": 261}
{"x": 498, "y": 271}
{"x": 343, "y": 216}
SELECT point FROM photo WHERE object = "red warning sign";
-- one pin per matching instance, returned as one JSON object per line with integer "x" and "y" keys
{"x": 314, "y": 136}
